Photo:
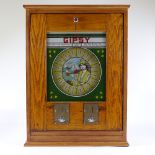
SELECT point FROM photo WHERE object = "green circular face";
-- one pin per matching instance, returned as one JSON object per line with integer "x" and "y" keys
{"x": 76, "y": 71}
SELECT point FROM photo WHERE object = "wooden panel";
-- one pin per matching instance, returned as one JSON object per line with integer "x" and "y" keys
{"x": 76, "y": 118}
{"x": 77, "y": 133}
{"x": 28, "y": 111}
{"x": 77, "y": 8}
{"x": 64, "y": 22}
{"x": 37, "y": 70}
{"x": 92, "y": 143}
{"x": 75, "y": 138}
{"x": 114, "y": 81}
{"x": 125, "y": 71}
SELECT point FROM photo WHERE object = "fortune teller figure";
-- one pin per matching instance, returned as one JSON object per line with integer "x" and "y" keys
{"x": 84, "y": 74}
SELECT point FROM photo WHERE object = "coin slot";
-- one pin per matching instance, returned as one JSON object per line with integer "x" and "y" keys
{"x": 91, "y": 113}
{"x": 61, "y": 113}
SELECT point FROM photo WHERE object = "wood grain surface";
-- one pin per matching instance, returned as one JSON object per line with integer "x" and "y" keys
{"x": 111, "y": 128}
{"x": 114, "y": 72}
{"x": 37, "y": 70}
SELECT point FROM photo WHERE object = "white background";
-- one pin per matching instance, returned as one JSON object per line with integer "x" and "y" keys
{"x": 141, "y": 80}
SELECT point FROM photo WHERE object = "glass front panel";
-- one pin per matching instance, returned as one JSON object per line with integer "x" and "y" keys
{"x": 76, "y": 66}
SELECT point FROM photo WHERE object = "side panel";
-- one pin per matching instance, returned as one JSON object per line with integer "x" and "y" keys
{"x": 114, "y": 59}
{"x": 37, "y": 70}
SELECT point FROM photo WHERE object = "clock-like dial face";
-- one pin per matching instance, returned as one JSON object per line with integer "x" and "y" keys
{"x": 76, "y": 71}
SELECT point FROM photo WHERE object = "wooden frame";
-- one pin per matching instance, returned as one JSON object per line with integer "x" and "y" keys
{"x": 43, "y": 137}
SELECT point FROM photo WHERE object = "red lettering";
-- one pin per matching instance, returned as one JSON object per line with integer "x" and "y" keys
{"x": 75, "y": 39}
{"x": 87, "y": 38}
{"x": 65, "y": 40}
{"x": 80, "y": 40}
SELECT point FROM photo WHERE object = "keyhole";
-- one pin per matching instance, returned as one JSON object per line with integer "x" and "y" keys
{"x": 75, "y": 19}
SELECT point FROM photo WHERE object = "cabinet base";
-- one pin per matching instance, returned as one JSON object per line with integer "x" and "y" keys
{"x": 119, "y": 144}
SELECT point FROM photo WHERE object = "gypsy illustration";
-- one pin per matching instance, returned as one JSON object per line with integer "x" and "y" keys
{"x": 76, "y": 71}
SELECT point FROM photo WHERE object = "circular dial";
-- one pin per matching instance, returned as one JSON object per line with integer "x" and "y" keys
{"x": 76, "y": 71}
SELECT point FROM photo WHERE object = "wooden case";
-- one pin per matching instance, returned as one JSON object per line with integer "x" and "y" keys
{"x": 112, "y": 126}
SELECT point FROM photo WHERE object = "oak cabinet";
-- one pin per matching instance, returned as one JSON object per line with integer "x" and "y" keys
{"x": 76, "y": 75}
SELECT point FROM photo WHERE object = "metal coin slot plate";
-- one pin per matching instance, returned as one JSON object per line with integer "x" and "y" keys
{"x": 91, "y": 113}
{"x": 61, "y": 113}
